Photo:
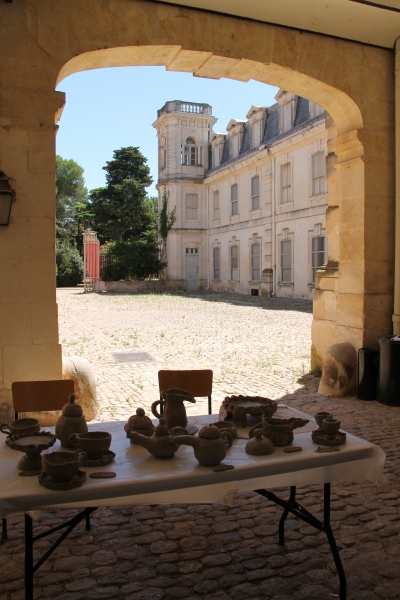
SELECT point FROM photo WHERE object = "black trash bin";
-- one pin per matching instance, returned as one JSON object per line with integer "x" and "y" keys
{"x": 367, "y": 374}
{"x": 389, "y": 370}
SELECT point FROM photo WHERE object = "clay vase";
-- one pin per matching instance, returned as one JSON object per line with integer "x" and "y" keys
{"x": 94, "y": 443}
{"x": 71, "y": 421}
{"x": 140, "y": 423}
{"x": 259, "y": 445}
{"x": 210, "y": 446}
{"x": 320, "y": 416}
{"x": 20, "y": 426}
{"x": 174, "y": 411}
{"x": 331, "y": 427}
{"x": 160, "y": 445}
{"x": 62, "y": 466}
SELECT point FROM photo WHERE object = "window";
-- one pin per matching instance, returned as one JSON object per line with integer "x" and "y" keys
{"x": 255, "y": 193}
{"x": 216, "y": 206}
{"x": 216, "y": 264}
{"x": 317, "y": 254}
{"x": 256, "y": 134}
{"x": 191, "y": 154}
{"x": 191, "y": 206}
{"x": 287, "y": 117}
{"x": 234, "y": 263}
{"x": 235, "y": 199}
{"x": 286, "y": 183}
{"x": 286, "y": 261}
{"x": 255, "y": 262}
{"x": 318, "y": 173}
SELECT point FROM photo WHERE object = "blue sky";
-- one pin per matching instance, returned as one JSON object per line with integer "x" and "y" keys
{"x": 107, "y": 109}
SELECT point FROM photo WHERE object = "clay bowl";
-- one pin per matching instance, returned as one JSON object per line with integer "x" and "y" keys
{"x": 94, "y": 443}
{"x": 62, "y": 465}
{"x": 331, "y": 427}
{"x": 20, "y": 426}
{"x": 226, "y": 426}
{"x": 320, "y": 416}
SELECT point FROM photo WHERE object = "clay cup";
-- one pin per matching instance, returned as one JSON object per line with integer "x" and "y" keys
{"x": 320, "y": 416}
{"x": 62, "y": 466}
{"x": 20, "y": 426}
{"x": 94, "y": 443}
{"x": 331, "y": 427}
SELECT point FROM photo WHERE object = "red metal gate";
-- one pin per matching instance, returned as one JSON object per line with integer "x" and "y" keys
{"x": 91, "y": 257}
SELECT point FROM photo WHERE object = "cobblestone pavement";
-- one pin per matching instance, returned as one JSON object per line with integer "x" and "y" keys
{"x": 217, "y": 552}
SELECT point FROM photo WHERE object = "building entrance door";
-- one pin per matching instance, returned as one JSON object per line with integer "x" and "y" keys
{"x": 192, "y": 268}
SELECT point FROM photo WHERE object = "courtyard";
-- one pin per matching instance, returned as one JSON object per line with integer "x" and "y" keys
{"x": 254, "y": 346}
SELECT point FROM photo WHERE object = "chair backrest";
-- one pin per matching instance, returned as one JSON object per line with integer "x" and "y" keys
{"x": 32, "y": 396}
{"x": 197, "y": 382}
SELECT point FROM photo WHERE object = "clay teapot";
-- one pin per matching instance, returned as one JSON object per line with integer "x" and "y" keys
{"x": 174, "y": 410}
{"x": 160, "y": 445}
{"x": 71, "y": 421}
{"x": 210, "y": 446}
{"x": 140, "y": 423}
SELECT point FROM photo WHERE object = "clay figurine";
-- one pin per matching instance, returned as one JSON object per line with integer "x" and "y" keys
{"x": 174, "y": 411}
{"x": 71, "y": 421}
{"x": 260, "y": 445}
{"x": 160, "y": 445}
{"x": 210, "y": 446}
{"x": 140, "y": 423}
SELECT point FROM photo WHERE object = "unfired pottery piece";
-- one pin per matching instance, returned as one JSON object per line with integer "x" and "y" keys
{"x": 331, "y": 427}
{"x": 62, "y": 465}
{"x": 140, "y": 423}
{"x": 279, "y": 431}
{"x": 161, "y": 444}
{"x": 226, "y": 426}
{"x": 32, "y": 444}
{"x": 319, "y": 437}
{"x": 94, "y": 443}
{"x": 331, "y": 449}
{"x": 103, "y": 475}
{"x": 320, "y": 416}
{"x": 259, "y": 445}
{"x": 76, "y": 481}
{"x": 20, "y": 426}
{"x": 105, "y": 459}
{"x": 223, "y": 467}
{"x": 71, "y": 421}
{"x": 174, "y": 411}
{"x": 237, "y": 407}
{"x": 291, "y": 449}
{"x": 210, "y": 446}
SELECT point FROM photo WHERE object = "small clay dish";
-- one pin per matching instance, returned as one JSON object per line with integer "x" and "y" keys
{"x": 59, "y": 484}
{"x": 20, "y": 426}
{"x": 226, "y": 426}
{"x": 62, "y": 466}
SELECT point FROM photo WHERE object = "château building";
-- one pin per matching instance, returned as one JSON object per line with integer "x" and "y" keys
{"x": 250, "y": 202}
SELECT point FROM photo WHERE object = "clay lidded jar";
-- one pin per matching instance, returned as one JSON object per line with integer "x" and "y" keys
{"x": 71, "y": 421}
{"x": 139, "y": 423}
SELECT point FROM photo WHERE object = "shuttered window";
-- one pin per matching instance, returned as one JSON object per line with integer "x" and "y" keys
{"x": 234, "y": 199}
{"x": 255, "y": 193}
{"x": 286, "y": 261}
{"x": 255, "y": 262}
{"x": 318, "y": 173}
{"x": 216, "y": 264}
{"x": 191, "y": 206}
{"x": 234, "y": 263}
{"x": 216, "y": 205}
{"x": 317, "y": 254}
{"x": 286, "y": 183}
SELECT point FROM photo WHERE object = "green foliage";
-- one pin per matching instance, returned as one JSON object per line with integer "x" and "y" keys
{"x": 166, "y": 219}
{"x": 121, "y": 209}
{"x": 69, "y": 265}
{"x": 132, "y": 260}
{"x": 72, "y": 214}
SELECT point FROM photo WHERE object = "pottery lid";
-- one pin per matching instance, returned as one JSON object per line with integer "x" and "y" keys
{"x": 161, "y": 429}
{"x": 209, "y": 432}
{"x": 140, "y": 421}
{"x": 72, "y": 409}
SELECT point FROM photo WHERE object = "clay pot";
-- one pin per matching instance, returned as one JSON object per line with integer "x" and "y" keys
{"x": 20, "y": 426}
{"x": 211, "y": 445}
{"x": 71, "y": 421}
{"x": 259, "y": 445}
{"x": 62, "y": 465}
{"x": 160, "y": 445}
{"x": 94, "y": 443}
{"x": 174, "y": 411}
{"x": 139, "y": 423}
{"x": 320, "y": 416}
{"x": 331, "y": 427}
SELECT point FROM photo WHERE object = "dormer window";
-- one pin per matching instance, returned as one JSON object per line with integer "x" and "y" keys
{"x": 287, "y": 116}
{"x": 192, "y": 155}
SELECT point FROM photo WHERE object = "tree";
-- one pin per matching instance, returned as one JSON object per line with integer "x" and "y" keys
{"x": 121, "y": 209}
{"x": 69, "y": 265}
{"x": 166, "y": 219}
{"x": 71, "y": 199}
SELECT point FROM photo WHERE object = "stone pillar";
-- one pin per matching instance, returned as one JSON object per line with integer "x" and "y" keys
{"x": 29, "y": 348}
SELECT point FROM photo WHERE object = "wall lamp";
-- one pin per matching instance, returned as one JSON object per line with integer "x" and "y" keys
{"x": 7, "y": 197}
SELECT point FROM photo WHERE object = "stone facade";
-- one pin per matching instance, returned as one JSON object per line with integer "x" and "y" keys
{"x": 250, "y": 202}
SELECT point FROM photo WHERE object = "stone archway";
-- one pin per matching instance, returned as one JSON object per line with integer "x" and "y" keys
{"x": 41, "y": 44}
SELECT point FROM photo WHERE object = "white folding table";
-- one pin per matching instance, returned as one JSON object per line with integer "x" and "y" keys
{"x": 143, "y": 479}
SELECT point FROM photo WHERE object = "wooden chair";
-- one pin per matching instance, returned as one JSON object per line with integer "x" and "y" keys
{"x": 32, "y": 396}
{"x": 197, "y": 382}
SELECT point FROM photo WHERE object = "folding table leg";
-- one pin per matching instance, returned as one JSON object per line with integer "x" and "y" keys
{"x": 291, "y": 501}
{"x": 331, "y": 540}
{"x": 87, "y": 517}
{"x": 28, "y": 558}
{"x": 4, "y": 535}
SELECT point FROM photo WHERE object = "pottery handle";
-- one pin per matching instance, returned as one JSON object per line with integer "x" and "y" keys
{"x": 228, "y": 439}
{"x": 3, "y": 427}
{"x": 185, "y": 440}
{"x": 82, "y": 457}
{"x": 72, "y": 440}
{"x": 154, "y": 408}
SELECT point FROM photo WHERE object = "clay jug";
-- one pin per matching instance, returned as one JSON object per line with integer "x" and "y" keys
{"x": 174, "y": 411}
{"x": 71, "y": 421}
{"x": 210, "y": 446}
